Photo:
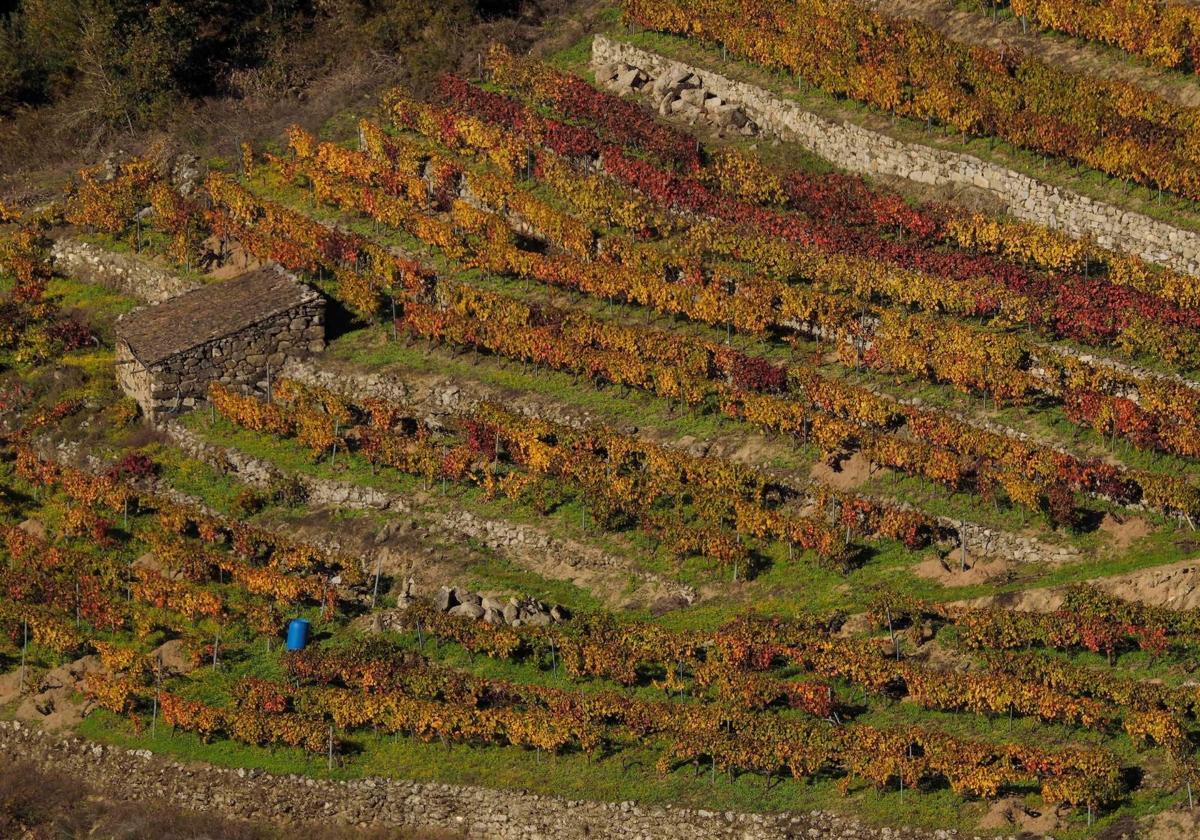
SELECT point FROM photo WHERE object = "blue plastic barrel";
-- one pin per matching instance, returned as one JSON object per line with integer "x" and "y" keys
{"x": 297, "y": 636}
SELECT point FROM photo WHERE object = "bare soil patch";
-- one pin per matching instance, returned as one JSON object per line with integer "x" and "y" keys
{"x": 34, "y": 528}
{"x": 1124, "y": 531}
{"x": 856, "y": 625}
{"x": 1028, "y": 600}
{"x": 970, "y": 198}
{"x": 1176, "y": 586}
{"x": 951, "y": 571}
{"x": 846, "y": 474}
{"x": 55, "y": 700}
{"x": 230, "y": 261}
{"x": 748, "y": 448}
{"x": 1011, "y": 813}
{"x": 1171, "y": 825}
{"x": 939, "y": 657}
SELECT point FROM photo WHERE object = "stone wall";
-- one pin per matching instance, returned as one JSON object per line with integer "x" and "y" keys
{"x": 473, "y": 811}
{"x": 860, "y": 150}
{"x": 127, "y": 274}
{"x": 260, "y": 474}
{"x": 241, "y": 358}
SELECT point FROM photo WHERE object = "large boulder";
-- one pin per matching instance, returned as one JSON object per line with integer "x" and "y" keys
{"x": 674, "y": 81}
{"x": 631, "y": 79}
{"x": 466, "y": 597}
{"x": 492, "y": 604}
{"x": 732, "y": 114}
{"x": 445, "y": 599}
{"x": 469, "y": 610}
{"x": 173, "y": 658}
{"x": 607, "y": 72}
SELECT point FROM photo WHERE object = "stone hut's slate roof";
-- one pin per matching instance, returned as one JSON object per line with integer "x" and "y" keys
{"x": 193, "y": 319}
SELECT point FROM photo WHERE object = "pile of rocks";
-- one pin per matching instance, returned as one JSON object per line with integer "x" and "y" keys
{"x": 681, "y": 93}
{"x": 515, "y": 612}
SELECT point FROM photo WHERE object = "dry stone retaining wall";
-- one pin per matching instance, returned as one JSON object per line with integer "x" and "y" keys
{"x": 473, "y": 811}
{"x": 124, "y": 273}
{"x": 260, "y": 474}
{"x": 867, "y": 152}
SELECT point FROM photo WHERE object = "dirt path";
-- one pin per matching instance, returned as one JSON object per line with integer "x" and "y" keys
{"x": 1072, "y": 55}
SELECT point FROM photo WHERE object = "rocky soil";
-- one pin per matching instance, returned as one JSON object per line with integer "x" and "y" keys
{"x": 1174, "y": 585}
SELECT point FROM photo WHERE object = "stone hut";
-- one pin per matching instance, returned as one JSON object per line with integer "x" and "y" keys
{"x": 232, "y": 332}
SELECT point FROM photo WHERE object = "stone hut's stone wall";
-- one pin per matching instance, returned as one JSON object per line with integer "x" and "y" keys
{"x": 860, "y": 150}
{"x": 234, "y": 332}
{"x": 134, "y": 379}
{"x": 242, "y": 358}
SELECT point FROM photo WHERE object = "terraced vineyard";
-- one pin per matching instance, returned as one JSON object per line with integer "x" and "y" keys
{"x": 848, "y": 501}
